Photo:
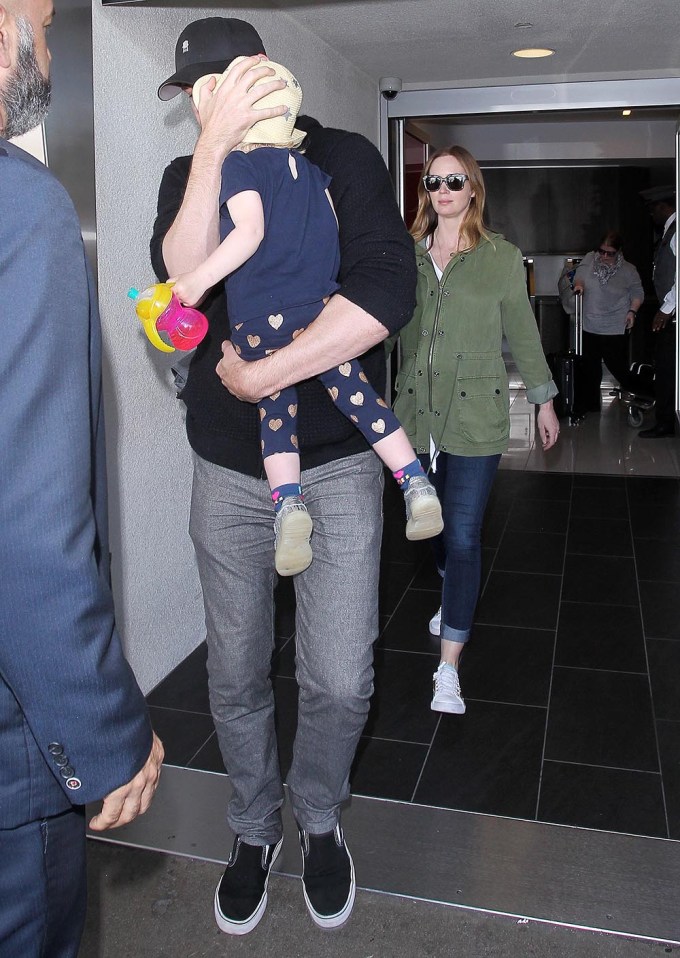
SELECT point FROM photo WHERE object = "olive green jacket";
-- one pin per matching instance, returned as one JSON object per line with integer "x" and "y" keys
{"x": 452, "y": 384}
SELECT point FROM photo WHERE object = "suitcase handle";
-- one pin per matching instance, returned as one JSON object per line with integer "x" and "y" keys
{"x": 578, "y": 322}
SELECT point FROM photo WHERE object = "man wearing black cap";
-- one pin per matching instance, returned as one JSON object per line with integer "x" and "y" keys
{"x": 661, "y": 203}
{"x": 231, "y": 526}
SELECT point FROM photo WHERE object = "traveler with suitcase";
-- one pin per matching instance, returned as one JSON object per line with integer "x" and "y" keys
{"x": 612, "y": 296}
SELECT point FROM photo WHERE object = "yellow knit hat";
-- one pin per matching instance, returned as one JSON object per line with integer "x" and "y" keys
{"x": 280, "y": 130}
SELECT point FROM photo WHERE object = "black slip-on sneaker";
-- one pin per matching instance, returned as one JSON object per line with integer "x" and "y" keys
{"x": 327, "y": 877}
{"x": 241, "y": 895}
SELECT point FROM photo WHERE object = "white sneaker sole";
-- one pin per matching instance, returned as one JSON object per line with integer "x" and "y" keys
{"x": 293, "y": 551}
{"x": 426, "y": 519}
{"x": 435, "y": 626}
{"x": 451, "y": 708}
{"x": 230, "y": 927}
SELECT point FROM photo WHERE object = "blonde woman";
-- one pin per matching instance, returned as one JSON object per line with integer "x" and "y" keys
{"x": 452, "y": 387}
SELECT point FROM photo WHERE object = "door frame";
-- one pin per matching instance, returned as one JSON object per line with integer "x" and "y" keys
{"x": 524, "y": 98}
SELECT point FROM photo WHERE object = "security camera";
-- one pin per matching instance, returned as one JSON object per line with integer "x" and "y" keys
{"x": 389, "y": 87}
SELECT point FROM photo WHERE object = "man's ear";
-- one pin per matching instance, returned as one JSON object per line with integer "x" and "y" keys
{"x": 6, "y": 32}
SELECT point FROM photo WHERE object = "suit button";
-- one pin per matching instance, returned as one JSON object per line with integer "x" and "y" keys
{"x": 67, "y": 771}
{"x": 54, "y": 748}
{"x": 463, "y": 394}
{"x": 410, "y": 392}
{"x": 61, "y": 760}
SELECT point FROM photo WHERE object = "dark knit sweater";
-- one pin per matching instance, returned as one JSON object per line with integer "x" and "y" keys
{"x": 377, "y": 273}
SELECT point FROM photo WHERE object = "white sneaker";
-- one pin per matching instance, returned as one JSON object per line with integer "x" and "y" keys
{"x": 436, "y": 622}
{"x": 447, "y": 697}
{"x": 423, "y": 510}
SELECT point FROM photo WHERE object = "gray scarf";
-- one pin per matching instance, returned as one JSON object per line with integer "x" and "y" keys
{"x": 603, "y": 271}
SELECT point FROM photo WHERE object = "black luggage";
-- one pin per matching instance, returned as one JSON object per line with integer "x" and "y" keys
{"x": 579, "y": 389}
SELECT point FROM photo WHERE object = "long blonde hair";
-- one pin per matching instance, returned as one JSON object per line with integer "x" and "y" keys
{"x": 472, "y": 228}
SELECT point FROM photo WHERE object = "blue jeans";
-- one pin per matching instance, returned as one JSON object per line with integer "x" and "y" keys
{"x": 463, "y": 484}
{"x": 232, "y": 528}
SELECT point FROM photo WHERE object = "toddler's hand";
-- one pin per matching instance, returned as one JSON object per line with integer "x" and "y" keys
{"x": 188, "y": 288}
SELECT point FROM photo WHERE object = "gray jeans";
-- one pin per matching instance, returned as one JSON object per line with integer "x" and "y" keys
{"x": 232, "y": 528}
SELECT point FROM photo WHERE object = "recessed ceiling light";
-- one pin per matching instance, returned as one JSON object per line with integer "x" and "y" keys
{"x": 626, "y": 112}
{"x": 532, "y": 53}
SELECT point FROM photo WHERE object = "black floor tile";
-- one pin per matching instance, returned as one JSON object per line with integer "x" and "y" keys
{"x": 657, "y": 560}
{"x": 544, "y": 485}
{"x": 284, "y": 608}
{"x": 530, "y": 552}
{"x": 538, "y": 515}
{"x": 286, "y": 699}
{"x": 283, "y": 663}
{"x": 592, "y": 636}
{"x": 385, "y": 769}
{"x": 493, "y": 527}
{"x": 664, "y": 491}
{"x": 209, "y": 758}
{"x": 520, "y": 599}
{"x": 669, "y": 748}
{"x": 507, "y": 665}
{"x": 407, "y": 630}
{"x": 400, "y": 707}
{"x": 186, "y": 687}
{"x": 651, "y": 520}
{"x": 427, "y": 576}
{"x": 605, "y": 503}
{"x": 607, "y": 798}
{"x": 601, "y": 718}
{"x": 182, "y": 733}
{"x": 664, "y": 673}
{"x": 487, "y": 760}
{"x": 607, "y": 580}
{"x": 595, "y": 481}
{"x": 599, "y": 536}
{"x": 660, "y": 610}
{"x": 395, "y": 578}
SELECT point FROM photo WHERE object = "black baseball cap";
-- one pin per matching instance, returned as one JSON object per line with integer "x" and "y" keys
{"x": 209, "y": 46}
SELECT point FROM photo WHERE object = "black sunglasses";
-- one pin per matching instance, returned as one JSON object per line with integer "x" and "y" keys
{"x": 606, "y": 252}
{"x": 454, "y": 182}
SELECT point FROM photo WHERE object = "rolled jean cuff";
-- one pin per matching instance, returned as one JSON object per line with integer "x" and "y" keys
{"x": 454, "y": 635}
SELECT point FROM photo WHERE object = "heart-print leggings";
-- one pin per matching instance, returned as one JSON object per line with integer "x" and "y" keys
{"x": 347, "y": 385}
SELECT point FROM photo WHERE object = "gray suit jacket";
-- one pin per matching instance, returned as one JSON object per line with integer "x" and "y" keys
{"x": 73, "y": 722}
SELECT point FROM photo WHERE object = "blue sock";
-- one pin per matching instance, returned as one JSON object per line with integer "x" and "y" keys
{"x": 404, "y": 476}
{"x": 282, "y": 492}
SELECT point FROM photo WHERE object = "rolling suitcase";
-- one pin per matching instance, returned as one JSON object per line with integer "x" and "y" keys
{"x": 579, "y": 391}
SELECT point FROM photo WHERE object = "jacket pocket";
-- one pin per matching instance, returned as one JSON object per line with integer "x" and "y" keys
{"x": 483, "y": 408}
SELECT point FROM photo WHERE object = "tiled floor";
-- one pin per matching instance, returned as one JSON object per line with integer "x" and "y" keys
{"x": 571, "y": 677}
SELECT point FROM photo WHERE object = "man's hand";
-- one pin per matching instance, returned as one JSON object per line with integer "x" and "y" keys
{"x": 660, "y": 321}
{"x": 127, "y": 802}
{"x": 227, "y": 114}
{"x": 241, "y": 378}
